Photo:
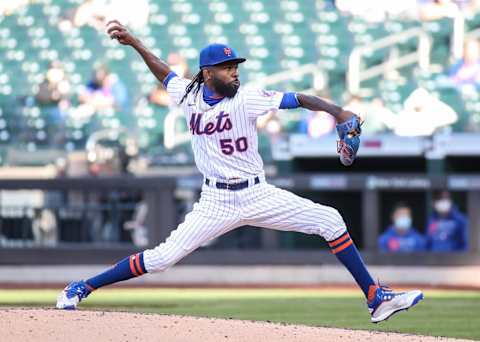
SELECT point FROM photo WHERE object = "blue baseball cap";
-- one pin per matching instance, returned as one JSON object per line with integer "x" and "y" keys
{"x": 215, "y": 54}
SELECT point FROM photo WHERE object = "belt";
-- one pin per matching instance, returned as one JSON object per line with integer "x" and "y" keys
{"x": 232, "y": 186}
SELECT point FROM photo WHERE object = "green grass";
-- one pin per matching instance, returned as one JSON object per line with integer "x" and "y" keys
{"x": 442, "y": 313}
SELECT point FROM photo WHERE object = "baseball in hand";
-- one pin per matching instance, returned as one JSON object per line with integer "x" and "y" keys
{"x": 109, "y": 25}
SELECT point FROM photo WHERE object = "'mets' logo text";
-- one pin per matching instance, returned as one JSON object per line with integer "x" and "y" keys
{"x": 223, "y": 123}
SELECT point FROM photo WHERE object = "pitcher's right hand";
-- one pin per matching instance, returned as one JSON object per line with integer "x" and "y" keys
{"x": 119, "y": 32}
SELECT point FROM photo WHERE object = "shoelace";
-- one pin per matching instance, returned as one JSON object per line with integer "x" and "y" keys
{"x": 387, "y": 293}
{"x": 385, "y": 288}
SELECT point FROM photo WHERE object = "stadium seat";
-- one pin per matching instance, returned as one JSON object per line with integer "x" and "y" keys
{"x": 273, "y": 36}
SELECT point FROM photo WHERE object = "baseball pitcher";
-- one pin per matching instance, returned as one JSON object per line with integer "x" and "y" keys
{"x": 222, "y": 121}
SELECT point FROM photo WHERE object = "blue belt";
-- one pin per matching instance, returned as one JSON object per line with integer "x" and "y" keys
{"x": 232, "y": 186}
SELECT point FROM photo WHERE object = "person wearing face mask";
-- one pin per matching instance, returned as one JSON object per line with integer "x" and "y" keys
{"x": 401, "y": 237}
{"x": 447, "y": 228}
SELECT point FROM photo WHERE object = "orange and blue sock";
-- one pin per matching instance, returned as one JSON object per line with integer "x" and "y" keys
{"x": 345, "y": 250}
{"x": 129, "y": 267}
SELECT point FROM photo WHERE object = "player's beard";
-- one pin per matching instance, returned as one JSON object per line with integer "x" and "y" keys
{"x": 225, "y": 89}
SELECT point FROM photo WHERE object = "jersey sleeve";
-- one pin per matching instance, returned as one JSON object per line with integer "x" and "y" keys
{"x": 258, "y": 102}
{"x": 176, "y": 88}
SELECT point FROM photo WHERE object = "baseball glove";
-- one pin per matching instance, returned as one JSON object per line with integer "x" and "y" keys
{"x": 349, "y": 133}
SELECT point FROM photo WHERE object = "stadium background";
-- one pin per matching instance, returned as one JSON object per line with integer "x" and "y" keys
{"x": 82, "y": 188}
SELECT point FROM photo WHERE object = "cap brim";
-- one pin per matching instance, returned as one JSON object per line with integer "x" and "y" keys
{"x": 239, "y": 60}
{"x": 236, "y": 60}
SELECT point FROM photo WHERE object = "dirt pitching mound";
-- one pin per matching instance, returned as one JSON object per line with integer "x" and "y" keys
{"x": 53, "y": 325}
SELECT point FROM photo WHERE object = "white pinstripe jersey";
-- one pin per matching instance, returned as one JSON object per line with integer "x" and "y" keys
{"x": 224, "y": 136}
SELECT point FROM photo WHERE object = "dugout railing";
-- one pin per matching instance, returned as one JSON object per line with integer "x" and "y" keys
{"x": 367, "y": 194}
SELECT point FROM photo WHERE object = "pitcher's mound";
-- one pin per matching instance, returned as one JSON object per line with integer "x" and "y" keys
{"x": 85, "y": 326}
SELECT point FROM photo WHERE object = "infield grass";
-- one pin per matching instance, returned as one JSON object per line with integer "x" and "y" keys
{"x": 441, "y": 313}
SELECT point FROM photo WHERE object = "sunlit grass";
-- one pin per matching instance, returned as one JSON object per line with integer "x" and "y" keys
{"x": 442, "y": 313}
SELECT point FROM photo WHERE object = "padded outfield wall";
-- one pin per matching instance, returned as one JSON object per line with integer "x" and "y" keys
{"x": 81, "y": 204}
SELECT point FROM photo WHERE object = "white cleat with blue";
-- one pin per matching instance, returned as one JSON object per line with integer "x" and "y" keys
{"x": 386, "y": 302}
{"x": 71, "y": 295}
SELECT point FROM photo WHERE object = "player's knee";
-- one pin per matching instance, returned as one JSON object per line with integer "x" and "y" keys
{"x": 334, "y": 225}
{"x": 161, "y": 263}
{"x": 335, "y": 233}
{"x": 334, "y": 216}
{"x": 161, "y": 258}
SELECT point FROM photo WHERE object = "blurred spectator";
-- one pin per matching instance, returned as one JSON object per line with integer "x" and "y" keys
{"x": 159, "y": 96}
{"x": 317, "y": 124}
{"x": 44, "y": 227}
{"x": 105, "y": 91}
{"x": 401, "y": 236}
{"x": 8, "y": 7}
{"x": 137, "y": 226}
{"x": 178, "y": 64}
{"x": 134, "y": 14}
{"x": 95, "y": 91}
{"x": 437, "y": 9}
{"x": 423, "y": 114}
{"x": 374, "y": 10}
{"x": 96, "y": 13}
{"x": 378, "y": 118}
{"x": 53, "y": 96}
{"x": 447, "y": 229}
{"x": 467, "y": 70}
{"x": 469, "y": 7}
{"x": 89, "y": 13}
{"x": 55, "y": 87}
{"x": 270, "y": 124}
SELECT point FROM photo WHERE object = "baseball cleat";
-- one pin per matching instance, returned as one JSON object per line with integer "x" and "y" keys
{"x": 386, "y": 302}
{"x": 71, "y": 295}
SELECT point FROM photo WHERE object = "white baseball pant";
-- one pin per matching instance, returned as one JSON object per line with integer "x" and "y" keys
{"x": 263, "y": 205}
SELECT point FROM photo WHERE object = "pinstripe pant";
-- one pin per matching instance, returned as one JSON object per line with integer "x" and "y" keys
{"x": 263, "y": 205}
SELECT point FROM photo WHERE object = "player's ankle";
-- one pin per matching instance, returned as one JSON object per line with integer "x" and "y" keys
{"x": 372, "y": 291}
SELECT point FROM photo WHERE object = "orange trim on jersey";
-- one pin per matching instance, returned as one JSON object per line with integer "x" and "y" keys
{"x": 339, "y": 240}
{"x": 342, "y": 247}
{"x": 137, "y": 264}
{"x": 132, "y": 266}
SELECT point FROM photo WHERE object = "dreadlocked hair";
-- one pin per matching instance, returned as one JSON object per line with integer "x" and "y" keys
{"x": 197, "y": 80}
